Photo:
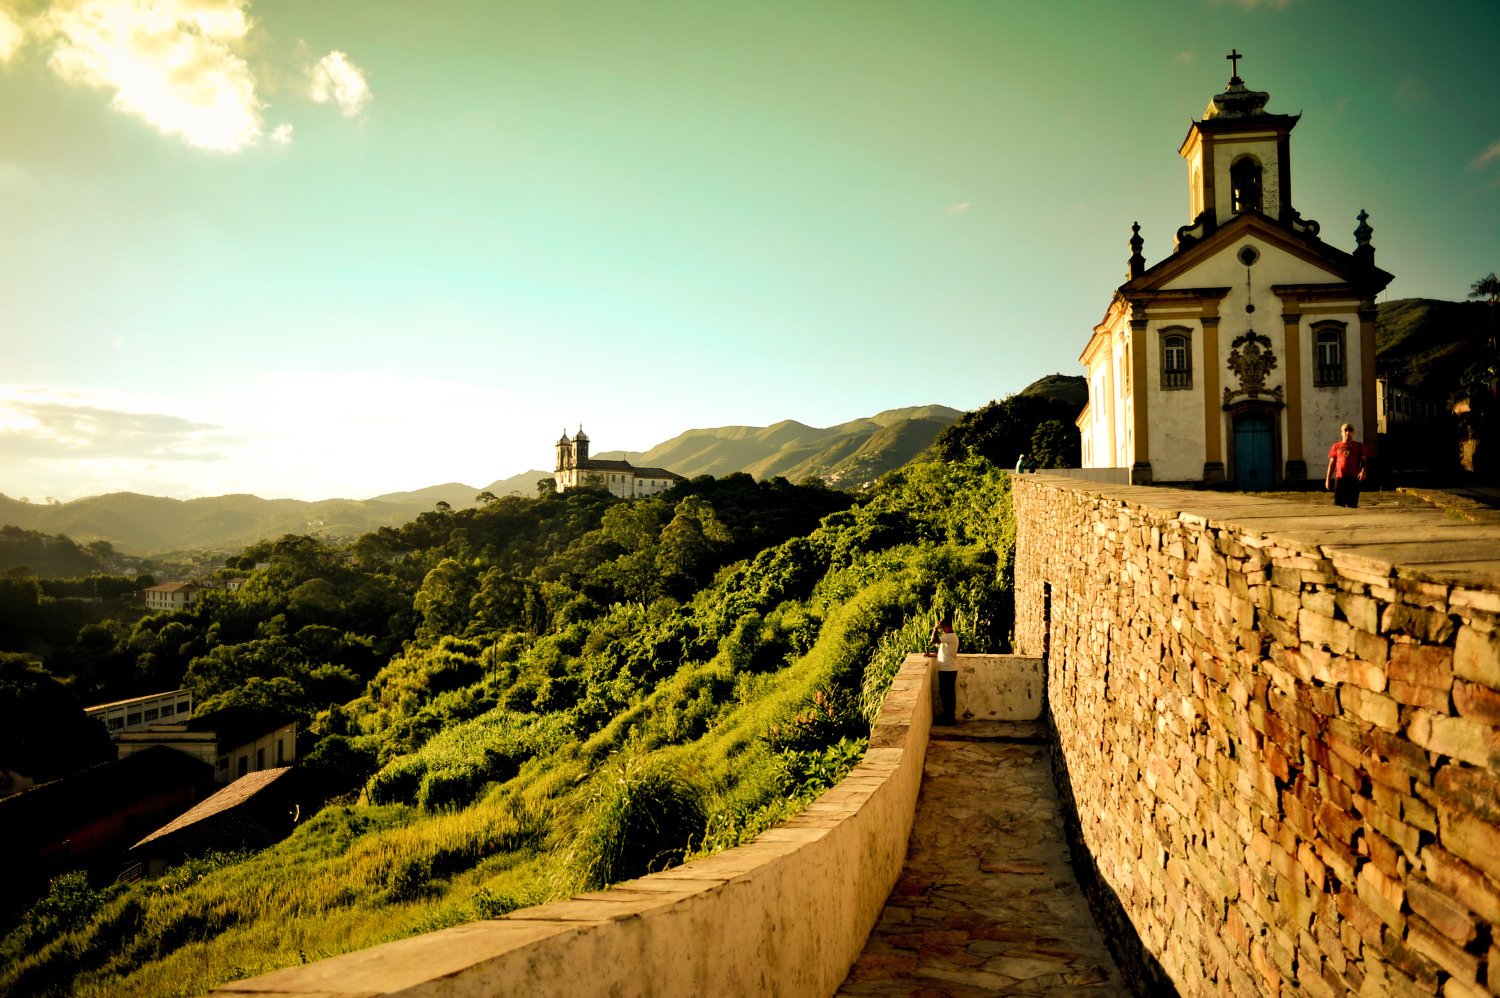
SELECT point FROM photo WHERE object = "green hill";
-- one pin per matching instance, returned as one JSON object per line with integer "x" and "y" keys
{"x": 1427, "y": 345}
{"x": 49, "y": 556}
{"x": 459, "y": 495}
{"x": 138, "y": 524}
{"x": 846, "y": 456}
{"x": 1070, "y": 388}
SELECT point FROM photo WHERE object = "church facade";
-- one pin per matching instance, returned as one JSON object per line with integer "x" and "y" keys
{"x": 1236, "y": 358}
{"x": 575, "y": 469}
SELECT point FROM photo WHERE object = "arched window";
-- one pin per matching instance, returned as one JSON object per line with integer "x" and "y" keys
{"x": 1244, "y": 182}
{"x": 1329, "y": 360}
{"x": 1176, "y": 359}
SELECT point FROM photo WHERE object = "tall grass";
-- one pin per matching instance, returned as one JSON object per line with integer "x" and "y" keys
{"x": 640, "y": 815}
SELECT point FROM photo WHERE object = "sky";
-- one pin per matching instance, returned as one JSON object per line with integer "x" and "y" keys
{"x": 337, "y": 249}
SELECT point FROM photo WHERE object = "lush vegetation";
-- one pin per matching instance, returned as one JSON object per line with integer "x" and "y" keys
{"x": 50, "y": 556}
{"x": 1040, "y": 423}
{"x": 512, "y": 703}
{"x": 1446, "y": 353}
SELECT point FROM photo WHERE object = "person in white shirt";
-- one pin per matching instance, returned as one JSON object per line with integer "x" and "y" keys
{"x": 946, "y": 640}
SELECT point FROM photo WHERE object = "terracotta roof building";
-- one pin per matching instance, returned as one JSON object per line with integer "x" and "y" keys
{"x": 251, "y": 813}
{"x": 171, "y": 596}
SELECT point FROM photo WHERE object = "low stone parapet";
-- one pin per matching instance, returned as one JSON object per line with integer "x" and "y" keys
{"x": 787, "y": 913}
{"x": 998, "y": 688}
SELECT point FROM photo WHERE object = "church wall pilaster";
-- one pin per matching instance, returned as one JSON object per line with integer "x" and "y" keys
{"x": 1213, "y": 416}
{"x": 1367, "y": 372}
{"x": 1139, "y": 394}
{"x": 1210, "y": 199}
{"x": 1291, "y": 326}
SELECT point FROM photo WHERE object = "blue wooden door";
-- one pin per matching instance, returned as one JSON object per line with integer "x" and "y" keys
{"x": 1253, "y": 465}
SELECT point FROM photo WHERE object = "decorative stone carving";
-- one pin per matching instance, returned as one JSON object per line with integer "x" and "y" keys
{"x": 1292, "y": 219}
{"x": 1202, "y": 226}
{"x": 1251, "y": 360}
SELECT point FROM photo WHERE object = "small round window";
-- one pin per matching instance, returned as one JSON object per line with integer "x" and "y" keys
{"x": 1248, "y": 255}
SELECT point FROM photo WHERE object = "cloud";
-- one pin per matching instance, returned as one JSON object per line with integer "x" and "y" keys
{"x": 43, "y": 426}
{"x": 960, "y": 208}
{"x": 181, "y": 66}
{"x": 301, "y": 434}
{"x": 1484, "y": 159}
{"x": 1487, "y": 159}
{"x": 1182, "y": 59}
{"x": 11, "y": 35}
{"x": 335, "y": 78}
{"x": 1413, "y": 91}
{"x": 171, "y": 63}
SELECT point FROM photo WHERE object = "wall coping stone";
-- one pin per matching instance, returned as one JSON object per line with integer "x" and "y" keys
{"x": 1425, "y": 545}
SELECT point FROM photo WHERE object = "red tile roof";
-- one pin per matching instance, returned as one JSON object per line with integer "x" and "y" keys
{"x": 232, "y": 796}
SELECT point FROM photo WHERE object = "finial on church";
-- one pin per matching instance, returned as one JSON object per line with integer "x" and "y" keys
{"x": 1137, "y": 261}
{"x": 1234, "y": 58}
{"x": 1364, "y": 252}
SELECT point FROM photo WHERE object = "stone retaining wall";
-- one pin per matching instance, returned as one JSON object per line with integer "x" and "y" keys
{"x": 786, "y": 914}
{"x": 1280, "y": 727}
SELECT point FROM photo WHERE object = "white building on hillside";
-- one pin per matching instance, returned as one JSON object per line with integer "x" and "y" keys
{"x": 1235, "y": 358}
{"x": 576, "y": 468}
{"x": 171, "y": 596}
{"x": 137, "y": 713}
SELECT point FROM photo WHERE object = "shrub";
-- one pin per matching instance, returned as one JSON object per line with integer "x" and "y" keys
{"x": 450, "y": 786}
{"x": 811, "y": 771}
{"x": 398, "y": 782}
{"x": 640, "y": 816}
{"x": 339, "y": 763}
{"x": 894, "y": 646}
{"x": 488, "y": 904}
{"x": 70, "y": 902}
{"x": 410, "y": 878}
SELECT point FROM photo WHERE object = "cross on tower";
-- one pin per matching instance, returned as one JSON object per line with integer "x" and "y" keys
{"x": 1234, "y": 58}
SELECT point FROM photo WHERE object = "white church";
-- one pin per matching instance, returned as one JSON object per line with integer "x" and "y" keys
{"x": 1235, "y": 359}
{"x": 575, "y": 469}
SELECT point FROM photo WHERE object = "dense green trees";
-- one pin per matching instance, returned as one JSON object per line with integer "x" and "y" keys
{"x": 1003, "y": 430}
{"x": 533, "y": 696}
{"x": 48, "y": 555}
{"x": 44, "y": 733}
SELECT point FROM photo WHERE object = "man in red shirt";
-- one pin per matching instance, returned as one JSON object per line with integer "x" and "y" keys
{"x": 1346, "y": 469}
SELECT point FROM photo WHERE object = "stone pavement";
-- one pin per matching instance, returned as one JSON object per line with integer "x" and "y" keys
{"x": 987, "y": 903}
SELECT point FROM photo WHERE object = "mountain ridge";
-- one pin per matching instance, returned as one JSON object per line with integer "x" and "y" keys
{"x": 846, "y": 455}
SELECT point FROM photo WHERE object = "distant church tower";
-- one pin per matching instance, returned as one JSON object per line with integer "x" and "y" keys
{"x": 572, "y": 457}
{"x": 1235, "y": 358}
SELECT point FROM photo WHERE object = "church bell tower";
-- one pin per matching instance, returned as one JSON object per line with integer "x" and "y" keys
{"x": 1239, "y": 160}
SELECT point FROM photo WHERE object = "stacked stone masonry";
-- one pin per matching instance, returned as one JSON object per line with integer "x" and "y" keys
{"x": 1281, "y": 726}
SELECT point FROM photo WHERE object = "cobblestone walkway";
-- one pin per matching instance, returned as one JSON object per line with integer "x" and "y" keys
{"x": 987, "y": 903}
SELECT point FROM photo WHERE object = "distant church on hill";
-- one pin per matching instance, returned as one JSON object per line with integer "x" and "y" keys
{"x": 575, "y": 468}
{"x": 1236, "y": 358}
